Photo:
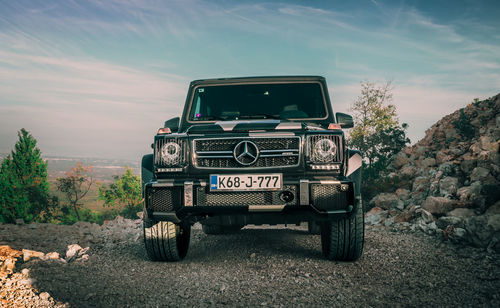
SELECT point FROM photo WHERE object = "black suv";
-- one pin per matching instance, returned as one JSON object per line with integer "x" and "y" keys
{"x": 258, "y": 150}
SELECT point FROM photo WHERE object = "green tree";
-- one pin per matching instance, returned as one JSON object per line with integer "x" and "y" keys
{"x": 24, "y": 189}
{"x": 377, "y": 132}
{"x": 75, "y": 186}
{"x": 124, "y": 192}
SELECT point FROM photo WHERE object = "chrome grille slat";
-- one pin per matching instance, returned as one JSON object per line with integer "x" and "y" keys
{"x": 279, "y": 151}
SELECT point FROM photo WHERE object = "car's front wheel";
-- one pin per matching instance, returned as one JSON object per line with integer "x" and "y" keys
{"x": 165, "y": 240}
{"x": 343, "y": 239}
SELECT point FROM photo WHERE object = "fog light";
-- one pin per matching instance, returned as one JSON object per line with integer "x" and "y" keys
{"x": 286, "y": 196}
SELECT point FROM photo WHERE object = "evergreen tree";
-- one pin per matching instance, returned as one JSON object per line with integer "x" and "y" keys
{"x": 24, "y": 189}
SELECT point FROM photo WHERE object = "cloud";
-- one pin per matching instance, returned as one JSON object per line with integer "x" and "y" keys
{"x": 97, "y": 103}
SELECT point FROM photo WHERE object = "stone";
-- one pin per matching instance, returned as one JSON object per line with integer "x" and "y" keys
{"x": 52, "y": 256}
{"x": 44, "y": 296}
{"x": 428, "y": 162}
{"x": 469, "y": 193}
{"x": 403, "y": 217}
{"x": 468, "y": 165}
{"x": 479, "y": 173}
{"x": 19, "y": 221}
{"x": 72, "y": 251}
{"x": 375, "y": 216}
{"x": 420, "y": 184}
{"x": 389, "y": 222}
{"x": 494, "y": 209}
{"x": 252, "y": 255}
{"x": 437, "y": 205}
{"x": 29, "y": 254}
{"x": 448, "y": 186}
{"x": 483, "y": 229}
{"x": 402, "y": 194}
{"x": 408, "y": 170}
{"x": 461, "y": 212}
{"x": 400, "y": 160}
{"x": 442, "y": 157}
{"x": 488, "y": 144}
{"x": 426, "y": 216}
{"x": 386, "y": 201}
{"x": 447, "y": 168}
{"x": 459, "y": 235}
{"x": 445, "y": 221}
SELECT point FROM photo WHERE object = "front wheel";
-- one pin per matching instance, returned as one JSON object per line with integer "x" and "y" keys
{"x": 343, "y": 239}
{"x": 165, "y": 240}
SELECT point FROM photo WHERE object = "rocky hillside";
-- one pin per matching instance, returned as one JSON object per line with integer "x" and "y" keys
{"x": 449, "y": 181}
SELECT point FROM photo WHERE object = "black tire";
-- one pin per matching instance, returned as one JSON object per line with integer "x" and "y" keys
{"x": 313, "y": 227}
{"x": 343, "y": 239}
{"x": 220, "y": 229}
{"x": 165, "y": 240}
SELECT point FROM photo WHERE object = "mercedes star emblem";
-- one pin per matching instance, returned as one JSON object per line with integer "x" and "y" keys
{"x": 246, "y": 153}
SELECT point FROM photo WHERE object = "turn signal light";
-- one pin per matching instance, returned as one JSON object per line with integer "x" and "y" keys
{"x": 164, "y": 130}
{"x": 334, "y": 126}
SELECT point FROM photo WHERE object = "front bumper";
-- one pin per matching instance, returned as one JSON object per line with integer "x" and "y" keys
{"x": 191, "y": 199}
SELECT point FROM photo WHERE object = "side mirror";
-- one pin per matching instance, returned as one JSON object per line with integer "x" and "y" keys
{"x": 173, "y": 124}
{"x": 344, "y": 120}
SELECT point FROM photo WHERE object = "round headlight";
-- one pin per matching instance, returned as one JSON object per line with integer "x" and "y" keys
{"x": 324, "y": 150}
{"x": 171, "y": 153}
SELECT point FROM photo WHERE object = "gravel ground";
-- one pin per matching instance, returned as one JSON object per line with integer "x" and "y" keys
{"x": 262, "y": 267}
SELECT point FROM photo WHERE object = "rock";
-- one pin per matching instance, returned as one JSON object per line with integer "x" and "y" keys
{"x": 400, "y": 160}
{"x": 387, "y": 201}
{"x": 375, "y": 216}
{"x": 494, "y": 209}
{"x": 461, "y": 213}
{"x": 469, "y": 193}
{"x": 437, "y": 205}
{"x": 442, "y": 157}
{"x": 252, "y": 255}
{"x": 420, "y": 184}
{"x": 402, "y": 194}
{"x": 25, "y": 272}
{"x": 428, "y": 162}
{"x": 408, "y": 170}
{"x": 479, "y": 174}
{"x": 445, "y": 221}
{"x": 19, "y": 221}
{"x": 52, "y": 256}
{"x": 468, "y": 165}
{"x": 72, "y": 251}
{"x": 29, "y": 254}
{"x": 447, "y": 168}
{"x": 448, "y": 186}
{"x": 458, "y": 235}
{"x": 44, "y": 296}
{"x": 483, "y": 229}
{"x": 83, "y": 258}
{"x": 488, "y": 144}
{"x": 389, "y": 222}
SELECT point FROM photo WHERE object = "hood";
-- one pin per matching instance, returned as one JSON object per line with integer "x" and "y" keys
{"x": 245, "y": 126}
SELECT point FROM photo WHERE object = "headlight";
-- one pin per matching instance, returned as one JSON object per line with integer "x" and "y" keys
{"x": 324, "y": 150}
{"x": 170, "y": 153}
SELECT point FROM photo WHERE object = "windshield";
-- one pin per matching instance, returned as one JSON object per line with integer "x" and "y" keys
{"x": 258, "y": 101}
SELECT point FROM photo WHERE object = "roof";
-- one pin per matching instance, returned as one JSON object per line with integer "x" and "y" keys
{"x": 256, "y": 79}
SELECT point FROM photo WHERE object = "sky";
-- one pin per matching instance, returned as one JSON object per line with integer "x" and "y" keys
{"x": 97, "y": 78}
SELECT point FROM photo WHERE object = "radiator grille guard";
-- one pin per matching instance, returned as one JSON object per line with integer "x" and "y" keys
{"x": 163, "y": 199}
{"x": 205, "y": 198}
{"x": 329, "y": 197}
{"x": 274, "y": 152}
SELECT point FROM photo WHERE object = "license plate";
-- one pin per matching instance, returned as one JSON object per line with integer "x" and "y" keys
{"x": 242, "y": 182}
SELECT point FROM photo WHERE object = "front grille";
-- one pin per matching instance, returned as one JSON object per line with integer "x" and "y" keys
{"x": 243, "y": 198}
{"x": 328, "y": 197}
{"x": 273, "y": 152}
{"x": 163, "y": 199}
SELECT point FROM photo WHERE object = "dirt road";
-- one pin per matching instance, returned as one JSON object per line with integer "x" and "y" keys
{"x": 266, "y": 267}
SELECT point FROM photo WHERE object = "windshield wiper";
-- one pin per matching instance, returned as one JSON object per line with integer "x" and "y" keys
{"x": 209, "y": 118}
{"x": 259, "y": 116}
